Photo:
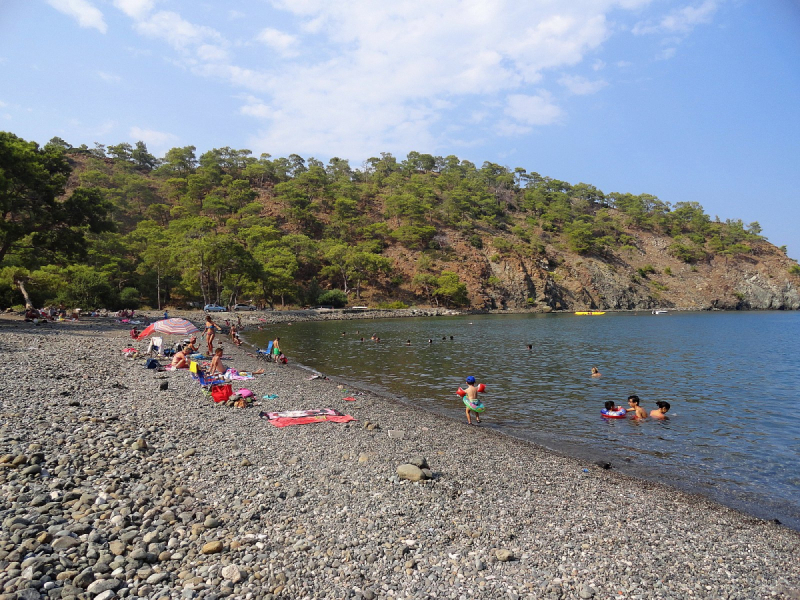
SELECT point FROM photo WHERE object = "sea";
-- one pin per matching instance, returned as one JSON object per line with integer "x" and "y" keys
{"x": 732, "y": 379}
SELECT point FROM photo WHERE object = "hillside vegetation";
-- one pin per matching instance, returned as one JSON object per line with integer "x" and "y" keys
{"x": 228, "y": 227}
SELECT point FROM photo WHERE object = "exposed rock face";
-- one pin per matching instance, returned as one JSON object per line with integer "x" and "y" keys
{"x": 643, "y": 279}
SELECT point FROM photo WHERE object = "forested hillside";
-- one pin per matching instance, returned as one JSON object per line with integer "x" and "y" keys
{"x": 127, "y": 229}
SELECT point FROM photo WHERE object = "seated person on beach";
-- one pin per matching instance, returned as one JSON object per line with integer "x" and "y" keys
{"x": 633, "y": 404}
{"x": 179, "y": 360}
{"x": 472, "y": 394}
{"x": 596, "y": 373}
{"x": 191, "y": 347}
{"x": 661, "y": 411}
{"x": 216, "y": 363}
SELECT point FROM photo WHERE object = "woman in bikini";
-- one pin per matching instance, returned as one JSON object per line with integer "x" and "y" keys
{"x": 211, "y": 329}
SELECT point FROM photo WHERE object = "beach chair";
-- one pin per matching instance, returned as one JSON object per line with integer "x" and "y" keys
{"x": 267, "y": 353}
{"x": 156, "y": 345}
{"x": 200, "y": 377}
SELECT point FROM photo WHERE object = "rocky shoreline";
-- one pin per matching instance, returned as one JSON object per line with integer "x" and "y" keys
{"x": 111, "y": 486}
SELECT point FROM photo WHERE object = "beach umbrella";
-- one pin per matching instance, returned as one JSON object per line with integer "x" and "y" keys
{"x": 174, "y": 326}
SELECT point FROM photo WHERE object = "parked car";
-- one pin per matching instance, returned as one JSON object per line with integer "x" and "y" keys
{"x": 244, "y": 307}
{"x": 214, "y": 308}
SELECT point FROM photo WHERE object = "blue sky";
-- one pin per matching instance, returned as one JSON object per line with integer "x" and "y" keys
{"x": 689, "y": 100}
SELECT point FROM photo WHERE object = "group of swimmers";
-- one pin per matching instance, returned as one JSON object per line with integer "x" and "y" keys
{"x": 659, "y": 413}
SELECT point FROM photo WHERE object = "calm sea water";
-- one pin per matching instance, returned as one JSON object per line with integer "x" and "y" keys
{"x": 733, "y": 380}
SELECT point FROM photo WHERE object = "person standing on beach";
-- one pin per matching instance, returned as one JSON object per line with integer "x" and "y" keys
{"x": 276, "y": 348}
{"x": 210, "y": 332}
{"x": 633, "y": 403}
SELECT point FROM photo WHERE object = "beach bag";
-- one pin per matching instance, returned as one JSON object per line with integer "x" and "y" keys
{"x": 151, "y": 363}
{"x": 221, "y": 393}
{"x": 245, "y": 393}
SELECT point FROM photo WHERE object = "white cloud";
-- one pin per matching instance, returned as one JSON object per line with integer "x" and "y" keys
{"x": 236, "y": 14}
{"x": 82, "y": 11}
{"x": 279, "y": 41}
{"x": 109, "y": 77}
{"x": 533, "y": 110}
{"x": 389, "y": 76}
{"x": 256, "y": 108}
{"x": 666, "y": 53}
{"x": 136, "y": 9}
{"x": 179, "y": 33}
{"x": 158, "y": 140}
{"x": 580, "y": 86}
{"x": 681, "y": 20}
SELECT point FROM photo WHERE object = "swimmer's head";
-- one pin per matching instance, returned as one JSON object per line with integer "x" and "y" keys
{"x": 609, "y": 405}
{"x": 470, "y": 380}
{"x": 663, "y": 405}
{"x": 634, "y": 398}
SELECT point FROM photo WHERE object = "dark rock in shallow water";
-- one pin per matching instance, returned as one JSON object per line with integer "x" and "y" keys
{"x": 603, "y": 464}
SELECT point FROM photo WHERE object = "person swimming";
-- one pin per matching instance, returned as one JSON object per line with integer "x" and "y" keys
{"x": 596, "y": 373}
{"x": 661, "y": 412}
{"x": 633, "y": 403}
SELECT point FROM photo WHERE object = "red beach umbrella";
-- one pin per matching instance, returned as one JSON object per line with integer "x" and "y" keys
{"x": 174, "y": 326}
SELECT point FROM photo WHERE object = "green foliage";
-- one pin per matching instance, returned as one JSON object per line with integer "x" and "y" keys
{"x": 646, "y": 270}
{"x": 335, "y": 298}
{"x": 450, "y": 289}
{"x": 667, "y": 271}
{"x": 129, "y": 297}
{"x": 414, "y": 237}
{"x": 32, "y": 180}
{"x": 686, "y": 253}
{"x": 659, "y": 286}
{"x": 228, "y": 225}
{"x": 396, "y": 305}
{"x": 794, "y": 270}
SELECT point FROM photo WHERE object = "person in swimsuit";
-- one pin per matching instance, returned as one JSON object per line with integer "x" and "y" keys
{"x": 633, "y": 403}
{"x": 596, "y": 373}
{"x": 210, "y": 332}
{"x": 216, "y": 363}
{"x": 179, "y": 360}
{"x": 661, "y": 412}
{"x": 276, "y": 349}
{"x": 472, "y": 394}
{"x": 191, "y": 347}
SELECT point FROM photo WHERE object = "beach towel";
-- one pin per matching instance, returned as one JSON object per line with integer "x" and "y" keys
{"x": 305, "y": 417}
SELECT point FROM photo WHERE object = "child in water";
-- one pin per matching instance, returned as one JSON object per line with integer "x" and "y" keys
{"x": 661, "y": 412}
{"x": 611, "y": 407}
{"x": 472, "y": 394}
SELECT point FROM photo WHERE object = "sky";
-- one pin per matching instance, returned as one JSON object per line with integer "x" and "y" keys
{"x": 688, "y": 100}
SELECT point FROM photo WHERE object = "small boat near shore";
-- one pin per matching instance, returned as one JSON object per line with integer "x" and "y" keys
{"x": 590, "y": 313}
{"x": 660, "y": 312}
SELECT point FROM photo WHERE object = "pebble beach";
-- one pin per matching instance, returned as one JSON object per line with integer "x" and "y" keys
{"x": 122, "y": 482}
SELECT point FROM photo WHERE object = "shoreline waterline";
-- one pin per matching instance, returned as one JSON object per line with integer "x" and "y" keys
{"x": 318, "y": 511}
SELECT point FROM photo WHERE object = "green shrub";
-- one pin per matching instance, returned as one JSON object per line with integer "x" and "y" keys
{"x": 396, "y": 305}
{"x": 627, "y": 248}
{"x": 493, "y": 281}
{"x": 659, "y": 286}
{"x": 476, "y": 241}
{"x": 739, "y": 296}
{"x": 531, "y": 301}
{"x": 502, "y": 244}
{"x": 129, "y": 298}
{"x": 335, "y": 298}
{"x": 495, "y": 258}
{"x": 646, "y": 270}
{"x": 794, "y": 270}
{"x": 687, "y": 254}
{"x": 667, "y": 271}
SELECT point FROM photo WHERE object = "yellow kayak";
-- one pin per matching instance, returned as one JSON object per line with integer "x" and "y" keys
{"x": 590, "y": 312}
